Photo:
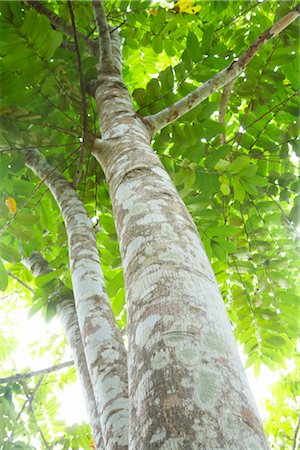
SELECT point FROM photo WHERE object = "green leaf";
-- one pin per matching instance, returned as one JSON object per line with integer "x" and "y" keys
{"x": 250, "y": 188}
{"x": 50, "y": 311}
{"x": 166, "y": 78}
{"x": 193, "y": 47}
{"x": 118, "y": 301}
{"x": 153, "y": 88}
{"x": 141, "y": 97}
{"x": 116, "y": 283}
{"x": 157, "y": 44}
{"x": 255, "y": 180}
{"x": 223, "y": 230}
{"x": 207, "y": 39}
{"x": 43, "y": 280}
{"x": 107, "y": 223}
{"x": 239, "y": 163}
{"x": 218, "y": 251}
{"x": 3, "y": 277}
{"x": 189, "y": 178}
{"x": 36, "y": 307}
{"x": 225, "y": 188}
{"x": 27, "y": 219}
{"x": 9, "y": 254}
{"x": 239, "y": 191}
{"x": 222, "y": 165}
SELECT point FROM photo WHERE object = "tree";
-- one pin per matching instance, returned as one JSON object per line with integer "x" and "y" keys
{"x": 231, "y": 155}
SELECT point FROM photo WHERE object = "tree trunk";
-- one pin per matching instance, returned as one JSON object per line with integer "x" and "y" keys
{"x": 187, "y": 386}
{"x": 102, "y": 341}
{"x": 66, "y": 312}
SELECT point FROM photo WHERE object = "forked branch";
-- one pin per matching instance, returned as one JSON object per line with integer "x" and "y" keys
{"x": 161, "y": 119}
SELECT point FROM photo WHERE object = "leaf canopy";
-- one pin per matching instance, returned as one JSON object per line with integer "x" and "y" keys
{"x": 243, "y": 194}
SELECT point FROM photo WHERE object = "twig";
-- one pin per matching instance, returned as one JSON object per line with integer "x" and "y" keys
{"x": 278, "y": 105}
{"x": 78, "y": 172}
{"x": 43, "y": 372}
{"x": 30, "y": 196}
{"x": 20, "y": 281}
{"x": 250, "y": 103}
{"x": 30, "y": 398}
{"x": 295, "y": 440}
{"x": 223, "y": 105}
{"x": 161, "y": 119}
{"x": 39, "y": 92}
{"x": 104, "y": 36}
{"x": 10, "y": 149}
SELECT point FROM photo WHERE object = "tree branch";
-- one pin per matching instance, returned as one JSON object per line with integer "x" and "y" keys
{"x": 29, "y": 400}
{"x": 62, "y": 25}
{"x": 43, "y": 372}
{"x": 12, "y": 275}
{"x": 295, "y": 440}
{"x": 161, "y": 119}
{"x": 78, "y": 172}
{"x": 30, "y": 397}
{"x": 67, "y": 314}
{"x": 104, "y": 36}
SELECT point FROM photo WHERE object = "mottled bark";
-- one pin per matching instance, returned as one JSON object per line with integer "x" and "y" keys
{"x": 105, "y": 51}
{"x": 104, "y": 349}
{"x": 187, "y": 386}
{"x": 161, "y": 119}
{"x": 66, "y": 312}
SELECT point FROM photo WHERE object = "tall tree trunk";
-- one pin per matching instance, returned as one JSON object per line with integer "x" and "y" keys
{"x": 66, "y": 312}
{"x": 103, "y": 345}
{"x": 187, "y": 386}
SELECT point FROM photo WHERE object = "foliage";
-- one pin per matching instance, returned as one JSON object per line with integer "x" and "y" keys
{"x": 243, "y": 195}
{"x": 283, "y": 411}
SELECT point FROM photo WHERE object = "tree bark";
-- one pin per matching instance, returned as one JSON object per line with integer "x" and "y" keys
{"x": 187, "y": 386}
{"x": 103, "y": 345}
{"x": 67, "y": 314}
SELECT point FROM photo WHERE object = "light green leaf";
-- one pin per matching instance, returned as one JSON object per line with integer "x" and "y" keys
{"x": 239, "y": 163}
{"x": 223, "y": 230}
{"x": 222, "y": 165}
{"x": 36, "y": 307}
{"x": 116, "y": 283}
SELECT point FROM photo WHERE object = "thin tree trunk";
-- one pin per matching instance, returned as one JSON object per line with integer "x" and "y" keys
{"x": 67, "y": 314}
{"x": 187, "y": 386}
{"x": 103, "y": 345}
